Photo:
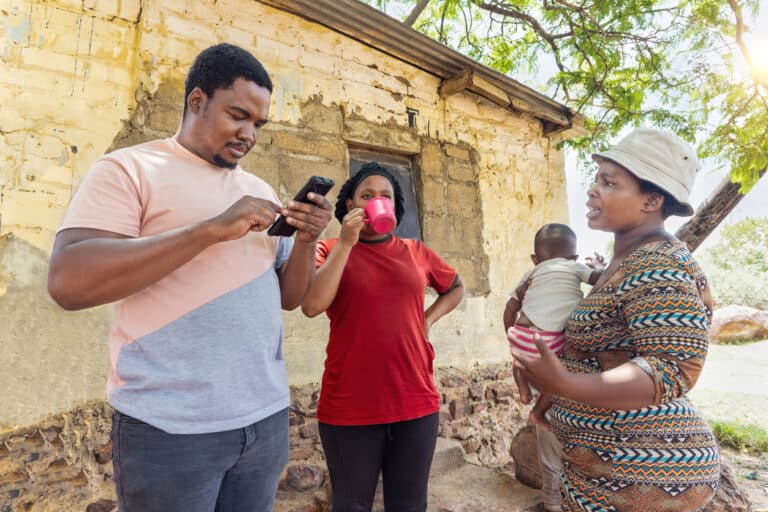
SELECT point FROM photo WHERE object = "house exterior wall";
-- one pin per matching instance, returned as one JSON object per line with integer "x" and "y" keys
{"x": 81, "y": 77}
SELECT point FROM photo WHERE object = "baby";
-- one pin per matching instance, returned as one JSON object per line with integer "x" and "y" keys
{"x": 541, "y": 304}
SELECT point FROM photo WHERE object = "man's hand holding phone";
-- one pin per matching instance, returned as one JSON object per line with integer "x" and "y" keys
{"x": 309, "y": 211}
{"x": 309, "y": 219}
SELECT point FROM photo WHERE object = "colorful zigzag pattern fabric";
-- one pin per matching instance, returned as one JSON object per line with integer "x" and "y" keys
{"x": 662, "y": 457}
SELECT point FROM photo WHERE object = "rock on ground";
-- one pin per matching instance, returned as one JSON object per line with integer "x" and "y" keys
{"x": 738, "y": 323}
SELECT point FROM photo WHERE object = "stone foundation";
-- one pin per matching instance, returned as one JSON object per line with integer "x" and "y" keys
{"x": 64, "y": 463}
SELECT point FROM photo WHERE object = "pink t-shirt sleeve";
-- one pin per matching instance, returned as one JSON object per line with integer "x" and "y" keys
{"x": 109, "y": 199}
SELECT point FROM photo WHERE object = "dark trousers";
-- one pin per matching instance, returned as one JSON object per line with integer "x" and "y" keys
{"x": 402, "y": 452}
{"x": 231, "y": 471}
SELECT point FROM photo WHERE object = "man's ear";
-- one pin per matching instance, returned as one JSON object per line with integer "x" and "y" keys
{"x": 196, "y": 100}
{"x": 653, "y": 202}
{"x": 534, "y": 259}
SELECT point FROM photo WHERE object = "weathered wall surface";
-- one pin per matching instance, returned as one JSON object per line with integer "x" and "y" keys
{"x": 80, "y": 77}
{"x": 67, "y": 78}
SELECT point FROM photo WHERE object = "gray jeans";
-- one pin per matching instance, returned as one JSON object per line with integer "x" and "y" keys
{"x": 236, "y": 470}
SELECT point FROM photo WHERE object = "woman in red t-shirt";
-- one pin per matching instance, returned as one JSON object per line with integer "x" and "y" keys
{"x": 378, "y": 403}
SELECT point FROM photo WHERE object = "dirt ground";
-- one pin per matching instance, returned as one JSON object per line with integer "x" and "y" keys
{"x": 734, "y": 387}
{"x": 477, "y": 489}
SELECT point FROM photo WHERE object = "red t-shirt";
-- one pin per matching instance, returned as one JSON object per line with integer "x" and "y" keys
{"x": 378, "y": 367}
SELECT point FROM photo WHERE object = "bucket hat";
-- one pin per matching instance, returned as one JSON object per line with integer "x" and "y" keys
{"x": 661, "y": 158}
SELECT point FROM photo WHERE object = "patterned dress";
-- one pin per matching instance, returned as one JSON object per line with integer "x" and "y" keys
{"x": 662, "y": 457}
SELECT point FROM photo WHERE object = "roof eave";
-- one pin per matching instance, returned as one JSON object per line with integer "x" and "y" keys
{"x": 386, "y": 34}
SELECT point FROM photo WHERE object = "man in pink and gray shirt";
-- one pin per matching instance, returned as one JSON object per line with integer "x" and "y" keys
{"x": 173, "y": 232}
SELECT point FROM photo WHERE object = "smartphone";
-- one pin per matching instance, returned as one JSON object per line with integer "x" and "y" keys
{"x": 316, "y": 184}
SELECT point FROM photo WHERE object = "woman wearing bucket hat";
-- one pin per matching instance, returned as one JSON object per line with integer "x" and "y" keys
{"x": 378, "y": 408}
{"x": 635, "y": 345}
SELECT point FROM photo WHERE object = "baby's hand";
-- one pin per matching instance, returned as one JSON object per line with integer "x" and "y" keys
{"x": 596, "y": 262}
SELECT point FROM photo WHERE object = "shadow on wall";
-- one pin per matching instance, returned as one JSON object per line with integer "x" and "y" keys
{"x": 156, "y": 115}
{"x": 51, "y": 359}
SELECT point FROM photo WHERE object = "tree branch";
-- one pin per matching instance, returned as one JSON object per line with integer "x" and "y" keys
{"x": 415, "y": 13}
{"x": 732, "y": 118}
{"x": 442, "y": 24}
{"x": 709, "y": 215}
{"x": 532, "y": 22}
{"x": 511, "y": 13}
{"x": 582, "y": 12}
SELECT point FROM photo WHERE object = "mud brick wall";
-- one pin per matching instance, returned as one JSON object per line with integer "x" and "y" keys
{"x": 79, "y": 78}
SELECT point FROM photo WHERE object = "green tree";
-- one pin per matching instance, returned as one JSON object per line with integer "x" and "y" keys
{"x": 683, "y": 65}
{"x": 738, "y": 264}
{"x": 679, "y": 65}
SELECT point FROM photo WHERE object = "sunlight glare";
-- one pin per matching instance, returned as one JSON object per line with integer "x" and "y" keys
{"x": 756, "y": 41}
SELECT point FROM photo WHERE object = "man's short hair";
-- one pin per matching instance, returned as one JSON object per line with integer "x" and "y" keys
{"x": 219, "y": 66}
{"x": 554, "y": 241}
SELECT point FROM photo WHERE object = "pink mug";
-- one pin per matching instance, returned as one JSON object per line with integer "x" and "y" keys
{"x": 380, "y": 214}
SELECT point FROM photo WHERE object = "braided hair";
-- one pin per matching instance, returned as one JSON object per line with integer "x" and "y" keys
{"x": 349, "y": 187}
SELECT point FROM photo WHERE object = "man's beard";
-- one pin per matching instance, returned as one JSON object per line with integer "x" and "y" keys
{"x": 220, "y": 162}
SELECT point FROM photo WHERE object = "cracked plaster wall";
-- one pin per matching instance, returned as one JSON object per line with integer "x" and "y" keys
{"x": 81, "y": 77}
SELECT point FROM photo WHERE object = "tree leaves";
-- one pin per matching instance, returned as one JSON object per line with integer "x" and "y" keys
{"x": 679, "y": 66}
